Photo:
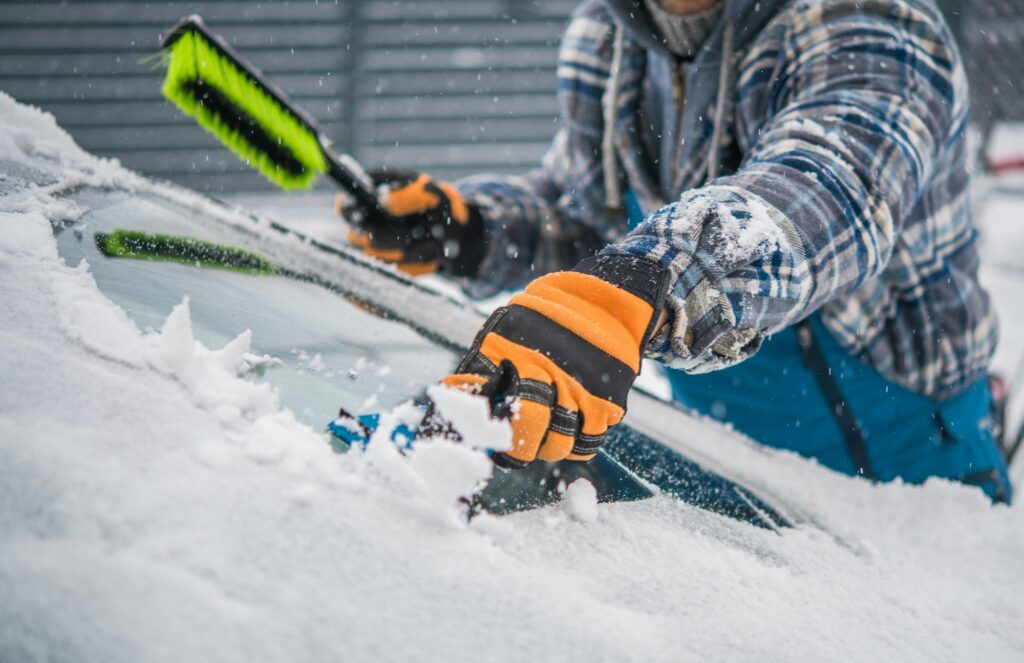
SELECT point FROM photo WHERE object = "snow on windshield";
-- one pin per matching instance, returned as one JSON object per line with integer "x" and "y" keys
{"x": 326, "y": 352}
{"x": 156, "y": 506}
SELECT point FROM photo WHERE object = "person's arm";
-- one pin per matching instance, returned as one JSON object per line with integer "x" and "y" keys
{"x": 530, "y": 226}
{"x": 497, "y": 231}
{"x": 862, "y": 104}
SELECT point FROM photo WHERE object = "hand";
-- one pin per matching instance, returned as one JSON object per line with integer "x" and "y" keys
{"x": 560, "y": 358}
{"x": 428, "y": 226}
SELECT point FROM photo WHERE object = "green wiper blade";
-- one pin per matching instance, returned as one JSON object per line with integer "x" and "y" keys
{"x": 182, "y": 250}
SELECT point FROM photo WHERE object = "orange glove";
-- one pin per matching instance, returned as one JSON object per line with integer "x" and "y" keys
{"x": 428, "y": 226}
{"x": 561, "y": 357}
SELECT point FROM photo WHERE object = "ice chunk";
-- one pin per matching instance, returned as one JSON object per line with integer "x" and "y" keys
{"x": 580, "y": 501}
{"x": 176, "y": 344}
{"x": 471, "y": 418}
{"x": 450, "y": 471}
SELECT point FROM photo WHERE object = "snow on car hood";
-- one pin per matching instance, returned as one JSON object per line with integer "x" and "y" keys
{"x": 153, "y": 506}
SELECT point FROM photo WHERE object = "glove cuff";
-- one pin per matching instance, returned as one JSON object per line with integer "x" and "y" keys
{"x": 638, "y": 276}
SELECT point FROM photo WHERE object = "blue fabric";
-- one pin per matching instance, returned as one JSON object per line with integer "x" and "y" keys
{"x": 774, "y": 399}
{"x": 634, "y": 213}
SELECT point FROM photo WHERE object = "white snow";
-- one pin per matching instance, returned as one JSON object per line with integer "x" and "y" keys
{"x": 735, "y": 239}
{"x": 155, "y": 507}
{"x": 469, "y": 416}
{"x": 580, "y": 501}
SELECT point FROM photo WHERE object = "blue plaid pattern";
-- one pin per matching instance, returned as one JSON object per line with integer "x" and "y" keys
{"x": 848, "y": 193}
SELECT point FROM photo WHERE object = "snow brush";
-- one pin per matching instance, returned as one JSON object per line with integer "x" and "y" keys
{"x": 208, "y": 80}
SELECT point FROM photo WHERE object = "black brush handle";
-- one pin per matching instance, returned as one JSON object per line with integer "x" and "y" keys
{"x": 346, "y": 172}
{"x": 351, "y": 178}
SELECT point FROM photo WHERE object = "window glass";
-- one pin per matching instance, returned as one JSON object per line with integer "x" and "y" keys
{"x": 332, "y": 352}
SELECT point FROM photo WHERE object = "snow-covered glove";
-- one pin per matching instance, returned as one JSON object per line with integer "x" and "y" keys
{"x": 428, "y": 226}
{"x": 560, "y": 358}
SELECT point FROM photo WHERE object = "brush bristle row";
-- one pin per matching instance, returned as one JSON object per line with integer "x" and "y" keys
{"x": 242, "y": 115}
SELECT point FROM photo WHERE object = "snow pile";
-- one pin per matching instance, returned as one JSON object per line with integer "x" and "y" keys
{"x": 39, "y": 160}
{"x": 32, "y": 137}
{"x": 438, "y": 472}
{"x": 155, "y": 507}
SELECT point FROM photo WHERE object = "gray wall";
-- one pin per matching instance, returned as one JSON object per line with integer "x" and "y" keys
{"x": 991, "y": 36}
{"x": 449, "y": 86}
{"x": 453, "y": 87}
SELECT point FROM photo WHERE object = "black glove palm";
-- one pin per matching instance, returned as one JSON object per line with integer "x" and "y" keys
{"x": 427, "y": 226}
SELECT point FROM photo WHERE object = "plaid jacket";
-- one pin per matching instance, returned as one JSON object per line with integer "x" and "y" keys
{"x": 842, "y": 189}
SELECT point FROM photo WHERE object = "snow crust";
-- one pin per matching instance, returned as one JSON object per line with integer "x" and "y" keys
{"x": 737, "y": 238}
{"x": 155, "y": 507}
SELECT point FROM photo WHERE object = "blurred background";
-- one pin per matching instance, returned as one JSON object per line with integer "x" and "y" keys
{"x": 449, "y": 86}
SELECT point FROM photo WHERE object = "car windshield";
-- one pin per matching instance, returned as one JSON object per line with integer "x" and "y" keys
{"x": 327, "y": 351}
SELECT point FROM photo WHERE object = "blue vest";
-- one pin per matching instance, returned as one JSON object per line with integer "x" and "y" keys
{"x": 776, "y": 399}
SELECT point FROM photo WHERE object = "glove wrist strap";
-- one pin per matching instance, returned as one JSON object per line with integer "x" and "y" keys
{"x": 638, "y": 276}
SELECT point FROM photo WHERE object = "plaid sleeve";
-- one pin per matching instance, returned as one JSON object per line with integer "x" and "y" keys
{"x": 842, "y": 142}
{"x": 530, "y": 228}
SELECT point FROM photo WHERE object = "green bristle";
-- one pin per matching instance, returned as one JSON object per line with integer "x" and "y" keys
{"x": 224, "y": 100}
{"x": 183, "y": 250}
